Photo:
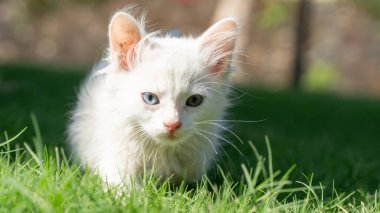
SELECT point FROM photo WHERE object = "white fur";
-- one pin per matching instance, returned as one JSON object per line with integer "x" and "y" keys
{"x": 118, "y": 135}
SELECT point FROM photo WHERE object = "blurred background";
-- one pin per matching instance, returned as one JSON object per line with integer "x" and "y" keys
{"x": 310, "y": 68}
{"x": 327, "y": 45}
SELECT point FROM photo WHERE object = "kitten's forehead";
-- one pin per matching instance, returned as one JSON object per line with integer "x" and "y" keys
{"x": 170, "y": 64}
{"x": 175, "y": 52}
{"x": 166, "y": 81}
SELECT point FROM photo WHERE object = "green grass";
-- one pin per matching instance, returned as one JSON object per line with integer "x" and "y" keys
{"x": 334, "y": 138}
{"x": 32, "y": 179}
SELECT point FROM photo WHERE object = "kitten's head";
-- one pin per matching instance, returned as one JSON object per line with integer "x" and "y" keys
{"x": 168, "y": 88}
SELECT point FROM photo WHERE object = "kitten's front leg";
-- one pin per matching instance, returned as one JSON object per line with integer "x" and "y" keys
{"x": 120, "y": 184}
{"x": 113, "y": 172}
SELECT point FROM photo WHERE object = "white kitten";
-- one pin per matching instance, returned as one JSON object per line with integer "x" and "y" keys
{"x": 156, "y": 103}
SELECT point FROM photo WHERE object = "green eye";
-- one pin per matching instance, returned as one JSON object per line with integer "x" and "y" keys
{"x": 150, "y": 98}
{"x": 194, "y": 100}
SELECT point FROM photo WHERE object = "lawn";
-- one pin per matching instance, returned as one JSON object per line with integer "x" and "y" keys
{"x": 332, "y": 140}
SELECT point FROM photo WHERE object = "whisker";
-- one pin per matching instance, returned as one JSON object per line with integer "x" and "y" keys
{"x": 231, "y": 165}
{"x": 204, "y": 160}
{"x": 215, "y": 90}
{"x": 141, "y": 136}
{"x": 137, "y": 133}
{"x": 232, "y": 87}
{"x": 238, "y": 121}
{"x": 210, "y": 74}
{"x": 236, "y": 98}
{"x": 227, "y": 141}
{"x": 225, "y": 128}
{"x": 203, "y": 153}
{"x": 196, "y": 131}
{"x": 243, "y": 62}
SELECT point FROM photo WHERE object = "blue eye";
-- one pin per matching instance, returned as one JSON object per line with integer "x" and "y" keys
{"x": 194, "y": 100}
{"x": 150, "y": 98}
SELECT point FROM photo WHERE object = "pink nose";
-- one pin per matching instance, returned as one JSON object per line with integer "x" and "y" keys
{"x": 172, "y": 126}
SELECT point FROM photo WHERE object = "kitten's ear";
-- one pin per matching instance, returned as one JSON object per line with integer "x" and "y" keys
{"x": 124, "y": 33}
{"x": 218, "y": 42}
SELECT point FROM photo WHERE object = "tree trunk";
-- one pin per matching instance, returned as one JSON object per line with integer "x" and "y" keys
{"x": 302, "y": 33}
{"x": 242, "y": 10}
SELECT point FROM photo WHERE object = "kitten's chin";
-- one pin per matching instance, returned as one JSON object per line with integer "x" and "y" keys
{"x": 169, "y": 139}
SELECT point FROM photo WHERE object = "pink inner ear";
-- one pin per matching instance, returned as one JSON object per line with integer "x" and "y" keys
{"x": 127, "y": 43}
{"x": 218, "y": 43}
{"x": 123, "y": 58}
{"x": 124, "y": 35}
{"x": 218, "y": 66}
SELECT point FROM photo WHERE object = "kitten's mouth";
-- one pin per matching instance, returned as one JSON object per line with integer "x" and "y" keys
{"x": 172, "y": 136}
